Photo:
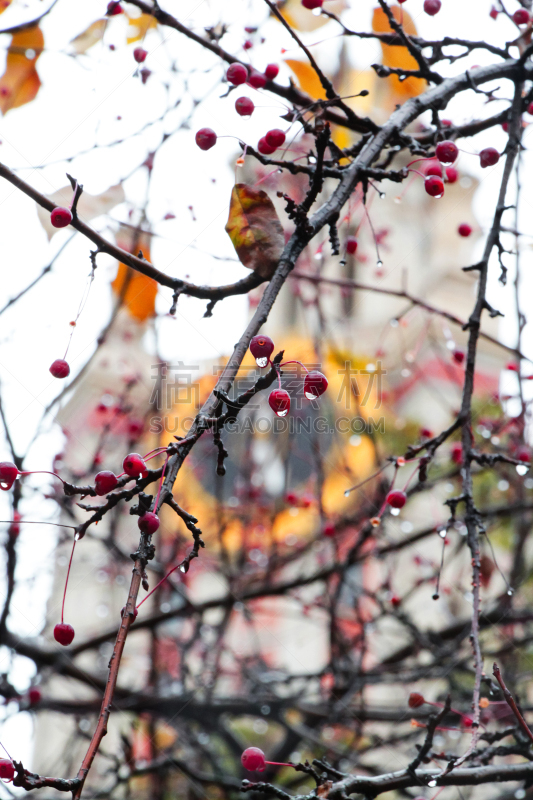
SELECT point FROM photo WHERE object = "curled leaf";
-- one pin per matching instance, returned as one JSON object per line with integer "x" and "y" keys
{"x": 20, "y": 82}
{"x": 90, "y": 36}
{"x": 255, "y": 230}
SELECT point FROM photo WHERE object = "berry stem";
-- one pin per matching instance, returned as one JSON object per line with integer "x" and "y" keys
{"x": 66, "y": 580}
{"x": 304, "y": 367}
{"x": 42, "y": 472}
{"x": 159, "y": 584}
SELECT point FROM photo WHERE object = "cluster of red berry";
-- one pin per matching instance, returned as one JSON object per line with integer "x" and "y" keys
{"x": 446, "y": 153}
{"x": 279, "y": 400}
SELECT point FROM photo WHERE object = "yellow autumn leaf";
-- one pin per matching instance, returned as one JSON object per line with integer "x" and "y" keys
{"x": 301, "y": 19}
{"x": 307, "y": 78}
{"x": 139, "y": 26}
{"x": 20, "y": 82}
{"x": 137, "y": 291}
{"x": 398, "y": 57}
{"x": 91, "y": 36}
{"x": 255, "y": 230}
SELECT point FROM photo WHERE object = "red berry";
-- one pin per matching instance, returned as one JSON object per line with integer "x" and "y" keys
{"x": 257, "y": 79}
{"x": 261, "y": 347}
{"x": 280, "y": 402}
{"x": 524, "y": 454}
{"x": 135, "y": 612}
{"x": 253, "y": 759}
{"x": 264, "y": 147}
{"x": 451, "y": 174}
{"x": 275, "y": 138}
{"x": 7, "y": 769}
{"x": 114, "y": 8}
{"x": 145, "y": 74}
{"x": 433, "y": 168}
{"x": 237, "y": 74}
{"x": 425, "y": 433}
{"x": 432, "y": 7}
{"x": 148, "y": 523}
{"x": 63, "y": 633}
{"x": 8, "y": 475}
{"x": 505, "y": 127}
{"x": 61, "y": 217}
{"x": 14, "y": 528}
{"x": 446, "y": 152}
{"x": 248, "y": 44}
{"x": 60, "y": 368}
{"x": 396, "y": 499}
{"x": 458, "y": 356}
{"x": 244, "y": 106}
{"x": 291, "y": 498}
{"x": 464, "y": 229}
{"x": 311, "y": 4}
{"x": 511, "y": 366}
{"x": 434, "y": 186}
{"x": 457, "y": 453}
{"x": 135, "y": 427}
{"x": 351, "y": 245}
{"x": 530, "y": 108}
{"x": 329, "y": 529}
{"x": 206, "y": 138}
{"x": 416, "y": 700}
{"x": 521, "y": 17}
{"x": 493, "y": 13}
{"x": 271, "y": 72}
{"x": 488, "y": 157}
{"x": 315, "y": 384}
{"x": 468, "y": 722}
{"x": 34, "y": 696}
{"x": 395, "y": 600}
{"x": 133, "y": 465}
{"x": 139, "y": 55}
{"x": 105, "y": 482}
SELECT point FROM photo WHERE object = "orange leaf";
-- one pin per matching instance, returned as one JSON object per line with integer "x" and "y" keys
{"x": 137, "y": 292}
{"x": 20, "y": 82}
{"x": 307, "y": 78}
{"x": 4, "y": 4}
{"x": 398, "y": 57}
{"x": 90, "y": 36}
{"x": 255, "y": 230}
{"x": 139, "y": 26}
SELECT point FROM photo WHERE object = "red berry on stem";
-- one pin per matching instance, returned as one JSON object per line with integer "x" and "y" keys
{"x": 488, "y": 157}
{"x": 261, "y": 347}
{"x": 396, "y": 499}
{"x": 434, "y": 168}
{"x": 237, "y": 74}
{"x": 432, "y": 7}
{"x": 61, "y": 217}
{"x": 114, "y": 8}
{"x": 416, "y": 700}
{"x": 105, "y": 482}
{"x": 457, "y": 453}
{"x": 257, "y": 79}
{"x": 280, "y": 402}
{"x": 493, "y": 13}
{"x": 521, "y": 17}
{"x": 205, "y": 138}
{"x": 395, "y": 600}
{"x": 63, "y": 633}
{"x": 7, "y": 769}
{"x": 434, "y": 186}
{"x": 315, "y": 384}
{"x": 312, "y": 4}
{"x": 253, "y": 759}
{"x": 351, "y": 245}
{"x": 139, "y": 55}
{"x": 271, "y": 72}
{"x": 464, "y": 229}
{"x": 447, "y": 152}
{"x": 148, "y": 523}
{"x": 244, "y": 106}
{"x": 14, "y": 528}
{"x": 60, "y": 368}
{"x": 264, "y": 147}
{"x": 329, "y": 529}
{"x": 8, "y": 475}
{"x": 291, "y": 498}
{"x": 530, "y": 108}
{"x": 275, "y": 138}
{"x": 451, "y": 174}
{"x": 34, "y": 696}
{"x": 248, "y": 44}
{"x": 133, "y": 465}
{"x": 524, "y": 454}
{"x": 458, "y": 356}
